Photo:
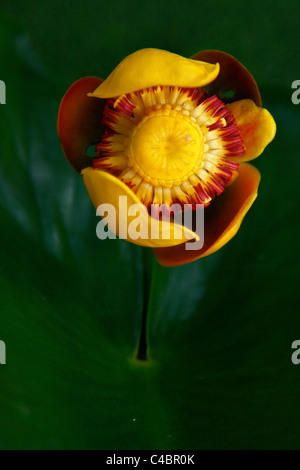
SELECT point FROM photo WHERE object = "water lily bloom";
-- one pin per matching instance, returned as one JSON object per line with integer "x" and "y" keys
{"x": 170, "y": 132}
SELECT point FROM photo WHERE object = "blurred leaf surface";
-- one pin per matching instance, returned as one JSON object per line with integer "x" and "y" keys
{"x": 219, "y": 330}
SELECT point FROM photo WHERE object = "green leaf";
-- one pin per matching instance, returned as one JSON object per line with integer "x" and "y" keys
{"x": 218, "y": 372}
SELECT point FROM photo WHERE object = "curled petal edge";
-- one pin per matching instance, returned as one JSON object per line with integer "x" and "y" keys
{"x": 152, "y": 67}
{"x": 78, "y": 122}
{"x": 234, "y": 81}
{"x": 104, "y": 189}
{"x": 224, "y": 215}
{"x": 256, "y": 125}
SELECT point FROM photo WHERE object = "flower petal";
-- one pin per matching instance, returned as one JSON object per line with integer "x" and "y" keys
{"x": 151, "y": 67}
{"x": 105, "y": 188}
{"x": 234, "y": 82}
{"x": 222, "y": 219}
{"x": 256, "y": 125}
{"x": 79, "y": 122}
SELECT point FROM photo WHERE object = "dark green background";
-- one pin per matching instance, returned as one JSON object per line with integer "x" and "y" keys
{"x": 220, "y": 329}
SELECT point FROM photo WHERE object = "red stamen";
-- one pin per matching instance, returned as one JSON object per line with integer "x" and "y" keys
{"x": 124, "y": 105}
{"x": 101, "y": 163}
{"x": 231, "y": 165}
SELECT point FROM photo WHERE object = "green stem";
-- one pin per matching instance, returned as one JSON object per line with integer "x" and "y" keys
{"x": 142, "y": 353}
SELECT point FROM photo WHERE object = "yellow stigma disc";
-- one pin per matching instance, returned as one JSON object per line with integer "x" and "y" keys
{"x": 166, "y": 147}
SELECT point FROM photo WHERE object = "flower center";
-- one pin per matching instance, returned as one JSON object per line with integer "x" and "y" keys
{"x": 170, "y": 145}
{"x": 166, "y": 148}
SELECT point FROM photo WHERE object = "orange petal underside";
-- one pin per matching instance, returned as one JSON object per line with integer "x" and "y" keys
{"x": 79, "y": 121}
{"x": 256, "y": 125}
{"x": 234, "y": 82}
{"x": 222, "y": 219}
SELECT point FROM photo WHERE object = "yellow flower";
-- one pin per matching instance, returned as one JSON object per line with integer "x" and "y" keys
{"x": 169, "y": 132}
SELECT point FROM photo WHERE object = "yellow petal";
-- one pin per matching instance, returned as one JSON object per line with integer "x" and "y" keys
{"x": 256, "y": 125}
{"x": 150, "y": 67}
{"x": 105, "y": 188}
